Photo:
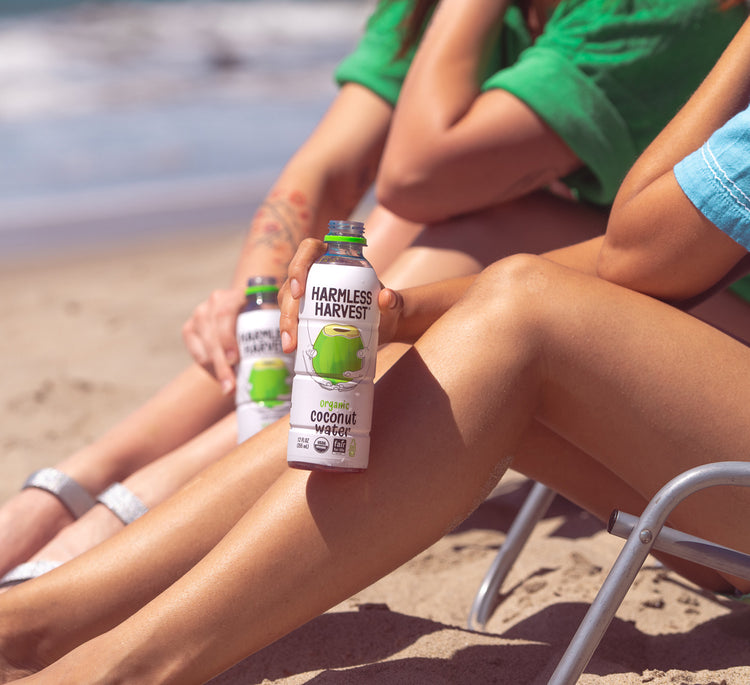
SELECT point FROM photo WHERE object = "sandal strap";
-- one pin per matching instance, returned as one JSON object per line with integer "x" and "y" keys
{"x": 122, "y": 503}
{"x": 27, "y": 571}
{"x": 75, "y": 497}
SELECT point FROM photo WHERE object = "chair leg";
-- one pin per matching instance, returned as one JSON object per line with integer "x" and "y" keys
{"x": 534, "y": 508}
{"x": 631, "y": 558}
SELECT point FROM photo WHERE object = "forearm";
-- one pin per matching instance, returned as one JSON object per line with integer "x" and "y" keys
{"x": 424, "y": 305}
{"x": 296, "y": 208}
{"x": 724, "y": 92}
{"x": 579, "y": 256}
{"x": 325, "y": 179}
{"x": 442, "y": 84}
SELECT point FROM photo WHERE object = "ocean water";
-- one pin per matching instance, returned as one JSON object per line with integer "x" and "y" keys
{"x": 126, "y": 117}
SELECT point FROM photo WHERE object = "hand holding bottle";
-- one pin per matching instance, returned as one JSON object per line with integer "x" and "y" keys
{"x": 390, "y": 302}
{"x": 334, "y": 368}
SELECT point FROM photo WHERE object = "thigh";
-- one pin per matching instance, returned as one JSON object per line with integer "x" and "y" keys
{"x": 464, "y": 245}
{"x": 646, "y": 390}
{"x": 546, "y": 457}
{"x": 728, "y": 312}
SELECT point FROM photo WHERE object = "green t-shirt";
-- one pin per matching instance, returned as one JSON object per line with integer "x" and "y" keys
{"x": 606, "y": 75}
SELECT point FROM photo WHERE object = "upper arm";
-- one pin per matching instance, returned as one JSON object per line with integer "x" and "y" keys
{"x": 347, "y": 144}
{"x": 658, "y": 242}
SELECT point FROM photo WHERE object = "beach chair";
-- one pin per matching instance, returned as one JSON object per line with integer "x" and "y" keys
{"x": 642, "y": 535}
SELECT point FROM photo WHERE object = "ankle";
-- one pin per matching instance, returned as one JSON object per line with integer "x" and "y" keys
{"x": 27, "y": 522}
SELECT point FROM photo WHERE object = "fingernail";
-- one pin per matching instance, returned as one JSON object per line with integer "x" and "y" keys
{"x": 226, "y": 386}
{"x": 286, "y": 340}
{"x": 295, "y": 288}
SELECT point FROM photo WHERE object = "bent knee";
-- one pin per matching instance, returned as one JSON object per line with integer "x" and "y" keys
{"x": 520, "y": 275}
{"x": 521, "y": 291}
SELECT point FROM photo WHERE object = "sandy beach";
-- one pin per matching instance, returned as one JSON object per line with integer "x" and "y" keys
{"x": 86, "y": 337}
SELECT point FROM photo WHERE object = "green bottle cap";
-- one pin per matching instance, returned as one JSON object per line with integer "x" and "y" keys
{"x": 263, "y": 288}
{"x": 345, "y": 239}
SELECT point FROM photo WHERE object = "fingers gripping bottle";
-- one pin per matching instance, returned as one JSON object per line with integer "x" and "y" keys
{"x": 264, "y": 372}
{"x": 337, "y": 340}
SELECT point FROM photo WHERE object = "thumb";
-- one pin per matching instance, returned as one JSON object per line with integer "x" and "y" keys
{"x": 389, "y": 300}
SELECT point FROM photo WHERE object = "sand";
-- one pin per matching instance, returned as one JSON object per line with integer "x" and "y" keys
{"x": 86, "y": 337}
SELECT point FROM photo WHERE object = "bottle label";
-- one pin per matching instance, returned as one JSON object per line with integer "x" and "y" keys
{"x": 334, "y": 367}
{"x": 264, "y": 373}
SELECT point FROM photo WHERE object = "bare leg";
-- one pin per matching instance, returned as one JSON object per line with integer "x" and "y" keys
{"x": 32, "y": 517}
{"x": 156, "y": 480}
{"x": 465, "y": 245}
{"x": 533, "y": 458}
{"x": 146, "y": 556}
{"x": 34, "y": 524}
{"x": 726, "y": 311}
{"x": 152, "y": 484}
{"x": 529, "y": 339}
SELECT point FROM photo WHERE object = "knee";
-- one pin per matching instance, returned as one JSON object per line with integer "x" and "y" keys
{"x": 518, "y": 293}
{"x": 519, "y": 278}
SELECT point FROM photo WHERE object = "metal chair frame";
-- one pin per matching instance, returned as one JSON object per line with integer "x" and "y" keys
{"x": 642, "y": 534}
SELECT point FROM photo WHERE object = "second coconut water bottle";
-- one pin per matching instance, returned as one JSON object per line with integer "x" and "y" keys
{"x": 264, "y": 373}
{"x": 334, "y": 368}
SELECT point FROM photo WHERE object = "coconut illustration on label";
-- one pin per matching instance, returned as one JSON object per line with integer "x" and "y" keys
{"x": 269, "y": 381}
{"x": 337, "y": 353}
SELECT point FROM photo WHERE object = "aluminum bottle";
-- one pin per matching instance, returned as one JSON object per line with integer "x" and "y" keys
{"x": 264, "y": 372}
{"x": 337, "y": 340}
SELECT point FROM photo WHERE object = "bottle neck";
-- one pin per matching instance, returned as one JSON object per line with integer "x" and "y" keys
{"x": 345, "y": 249}
{"x": 261, "y": 291}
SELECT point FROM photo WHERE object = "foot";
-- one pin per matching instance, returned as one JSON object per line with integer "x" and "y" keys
{"x": 28, "y": 521}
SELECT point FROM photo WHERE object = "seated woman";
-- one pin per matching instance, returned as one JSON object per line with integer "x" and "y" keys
{"x": 498, "y": 103}
{"x": 250, "y": 550}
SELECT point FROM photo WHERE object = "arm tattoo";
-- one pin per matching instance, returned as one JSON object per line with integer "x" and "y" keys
{"x": 280, "y": 223}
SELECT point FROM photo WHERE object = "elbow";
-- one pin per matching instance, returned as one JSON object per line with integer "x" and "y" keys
{"x": 622, "y": 258}
{"x": 628, "y": 267}
{"x": 411, "y": 190}
{"x": 612, "y": 264}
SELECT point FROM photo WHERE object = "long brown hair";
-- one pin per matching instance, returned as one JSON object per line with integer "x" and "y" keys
{"x": 414, "y": 23}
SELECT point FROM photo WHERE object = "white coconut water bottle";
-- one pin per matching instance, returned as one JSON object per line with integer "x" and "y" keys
{"x": 337, "y": 340}
{"x": 264, "y": 372}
